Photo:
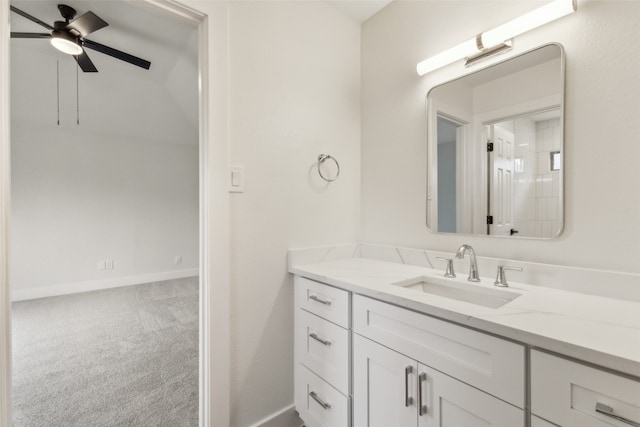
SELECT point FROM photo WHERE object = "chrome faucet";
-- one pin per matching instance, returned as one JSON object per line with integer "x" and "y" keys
{"x": 473, "y": 268}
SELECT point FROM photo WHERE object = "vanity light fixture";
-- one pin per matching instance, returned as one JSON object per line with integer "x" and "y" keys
{"x": 498, "y": 39}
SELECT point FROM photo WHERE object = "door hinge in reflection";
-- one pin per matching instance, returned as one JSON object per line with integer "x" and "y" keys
{"x": 489, "y": 219}
{"x": 489, "y": 147}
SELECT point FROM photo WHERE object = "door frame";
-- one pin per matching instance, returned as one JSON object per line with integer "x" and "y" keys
{"x": 214, "y": 305}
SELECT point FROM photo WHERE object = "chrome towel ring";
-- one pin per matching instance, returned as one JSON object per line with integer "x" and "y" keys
{"x": 321, "y": 159}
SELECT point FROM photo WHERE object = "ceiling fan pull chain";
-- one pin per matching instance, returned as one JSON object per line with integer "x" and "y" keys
{"x": 77, "y": 98}
{"x": 58, "y": 83}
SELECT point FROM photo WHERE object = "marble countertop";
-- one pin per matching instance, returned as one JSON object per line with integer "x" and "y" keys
{"x": 603, "y": 331}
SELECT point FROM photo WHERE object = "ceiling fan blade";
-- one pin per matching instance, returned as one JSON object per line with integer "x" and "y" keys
{"x": 117, "y": 54}
{"x": 30, "y": 35}
{"x": 31, "y": 18}
{"x": 86, "y": 24}
{"x": 85, "y": 63}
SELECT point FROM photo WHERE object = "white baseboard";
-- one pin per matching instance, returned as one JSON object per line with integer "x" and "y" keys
{"x": 94, "y": 285}
{"x": 286, "y": 417}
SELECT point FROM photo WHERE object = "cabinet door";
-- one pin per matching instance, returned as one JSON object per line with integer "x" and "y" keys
{"x": 384, "y": 385}
{"x": 446, "y": 402}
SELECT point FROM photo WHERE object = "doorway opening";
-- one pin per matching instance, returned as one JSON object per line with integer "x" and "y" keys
{"x": 451, "y": 154}
{"x": 113, "y": 264}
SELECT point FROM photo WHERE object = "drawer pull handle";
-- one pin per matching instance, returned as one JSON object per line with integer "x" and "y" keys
{"x": 320, "y": 300}
{"x": 422, "y": 378}
{"x": 408, "y": 400}
{"x": 608, "y": 411}
{"x": 320, "y": 340}
{"x": 314, "y": 396}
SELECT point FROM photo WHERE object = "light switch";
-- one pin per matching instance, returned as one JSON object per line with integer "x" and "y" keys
{"x": 236, "y": 179}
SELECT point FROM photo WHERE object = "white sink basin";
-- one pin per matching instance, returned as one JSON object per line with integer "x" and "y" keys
{"x": 471, "y": 293}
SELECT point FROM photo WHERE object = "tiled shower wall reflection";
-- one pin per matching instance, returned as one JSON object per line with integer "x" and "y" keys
{"x": 525, "y": 170}
{"x": 548, "y": 204}
{"x": 537, "y": 187}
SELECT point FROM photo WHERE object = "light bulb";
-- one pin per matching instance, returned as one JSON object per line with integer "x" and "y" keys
{"x": 447, "y": 57}
{"x": 65, "y": 43}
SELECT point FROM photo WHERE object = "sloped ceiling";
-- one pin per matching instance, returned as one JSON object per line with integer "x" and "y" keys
{"x": 121, "y": 99}
{"x": 360, "y": 10}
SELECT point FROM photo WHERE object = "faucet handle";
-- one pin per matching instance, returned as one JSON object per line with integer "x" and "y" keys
{"x": 449, "y": 272}
{"x": 501, "y": 278}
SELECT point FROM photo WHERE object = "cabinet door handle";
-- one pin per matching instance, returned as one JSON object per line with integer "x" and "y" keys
{"x": 608, "y": 411}
{"x": 320, "y": 340}
{"x": 320, "y": 300}
{"x": 314, "y": 396}
{"x": 408, "y": 400}
{"x": 422, "y": 379}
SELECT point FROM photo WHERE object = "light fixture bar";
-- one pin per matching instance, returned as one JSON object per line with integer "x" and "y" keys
{"x": 470, "y": 60}
{"x": 447, "y": 57}
{"x": 486, "y": 41}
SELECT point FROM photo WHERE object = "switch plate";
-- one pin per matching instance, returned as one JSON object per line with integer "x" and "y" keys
{"x": 178, "y": 260}
{"x": 236, "y": 179}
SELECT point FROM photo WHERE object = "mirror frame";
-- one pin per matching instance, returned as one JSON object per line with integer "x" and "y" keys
{"x": 482, "y": 184}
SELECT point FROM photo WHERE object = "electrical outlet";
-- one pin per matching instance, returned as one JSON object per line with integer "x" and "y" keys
{"x": 109, "y": 264}
{"x": 178, "y": 260}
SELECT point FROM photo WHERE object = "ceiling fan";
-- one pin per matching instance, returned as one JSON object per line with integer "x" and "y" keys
{"x": 68, "y": 36}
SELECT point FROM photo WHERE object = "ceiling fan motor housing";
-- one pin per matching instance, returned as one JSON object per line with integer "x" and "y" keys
{"x": 67, "y": 12}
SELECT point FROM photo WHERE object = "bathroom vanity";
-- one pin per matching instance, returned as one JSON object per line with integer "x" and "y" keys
{"x": 385, "y": 344}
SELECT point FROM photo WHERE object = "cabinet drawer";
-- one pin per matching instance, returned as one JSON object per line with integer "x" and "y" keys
{"x": 318, "y": 403}
{"x": 483, "y": 361}
{"x": 566, "y": 393}
{"x": 325, "y": 301}
{"x": 323, "y": 347}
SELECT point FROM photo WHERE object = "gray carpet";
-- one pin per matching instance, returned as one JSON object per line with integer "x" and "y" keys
{"x": 118, "y": 357}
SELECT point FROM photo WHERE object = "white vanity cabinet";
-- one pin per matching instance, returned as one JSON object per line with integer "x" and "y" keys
{"x": 391, "y": 389}
{"x": 571, "y": 394}
{"x": 413, "y": 369}
{"x": 361, "y": 362}
{"x": 322, "y": 345}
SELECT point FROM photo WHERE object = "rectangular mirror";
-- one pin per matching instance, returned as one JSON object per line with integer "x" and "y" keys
{"x": 495, "y": 149}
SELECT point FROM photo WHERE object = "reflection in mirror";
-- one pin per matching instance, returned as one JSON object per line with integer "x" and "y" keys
{"x": 495, "y": 149}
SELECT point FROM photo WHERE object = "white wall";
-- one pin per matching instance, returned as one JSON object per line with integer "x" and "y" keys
{"x": 121, "y": 185}
{"x": 294, "y": 94}
{"x": 78, "y": 198}
{"x": 602, "y": 196}
{"x": 532, "y": 84}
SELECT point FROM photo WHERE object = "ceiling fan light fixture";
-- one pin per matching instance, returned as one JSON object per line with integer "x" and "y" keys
{"x": 66, "y": 43}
